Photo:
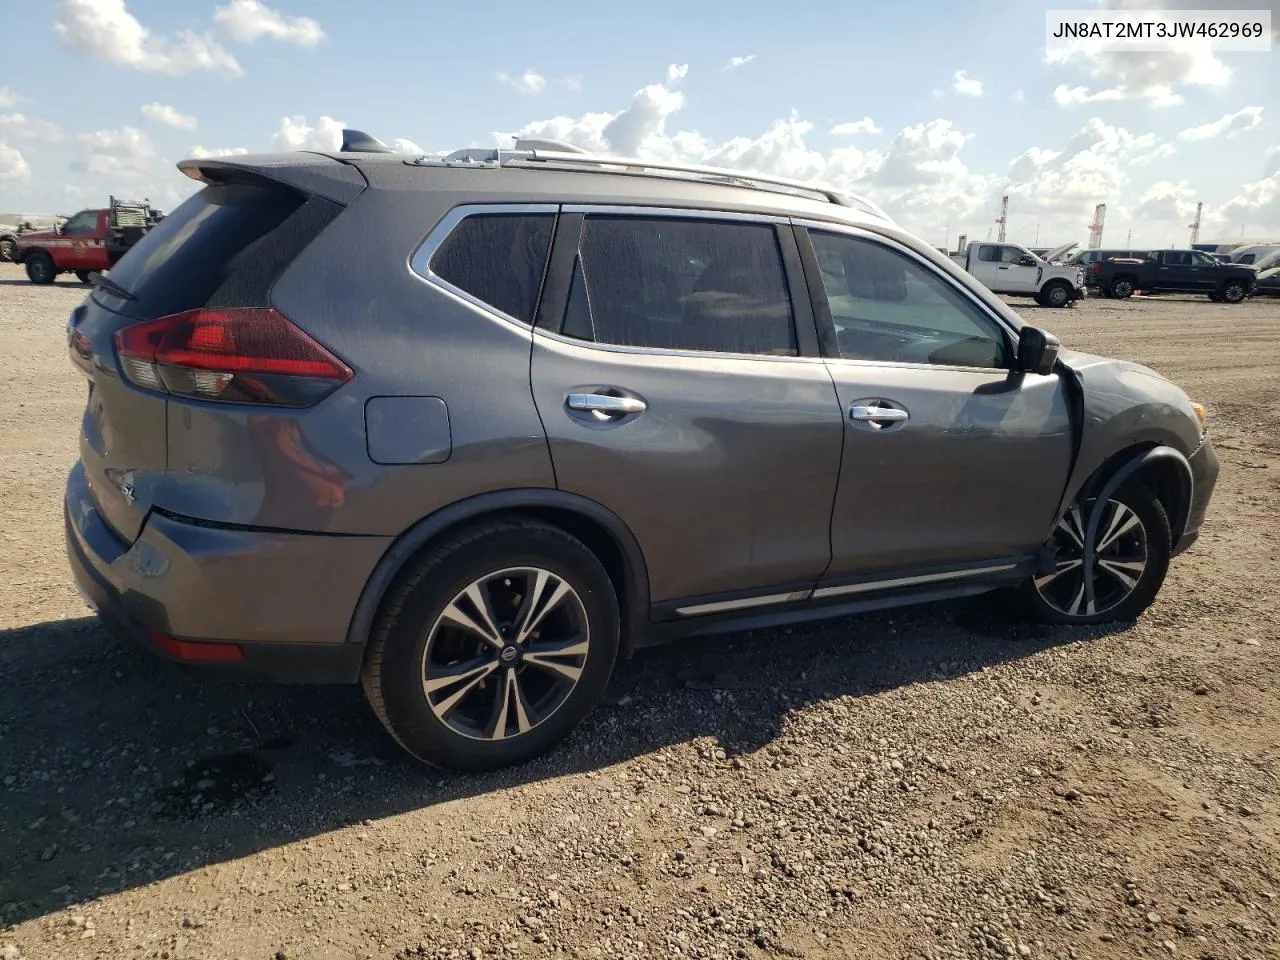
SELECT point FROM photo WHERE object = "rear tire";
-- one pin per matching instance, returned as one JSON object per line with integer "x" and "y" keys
{"x": 40, "y": 268}
{"x": 493, "y": 647}
{"x": 82, "y": 276}
{"x": 1121, "y": 288}
{"x": 1128, "y": 571}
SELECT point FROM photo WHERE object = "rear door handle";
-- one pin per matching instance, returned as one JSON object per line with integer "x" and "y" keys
{"x": 605, "y": 406}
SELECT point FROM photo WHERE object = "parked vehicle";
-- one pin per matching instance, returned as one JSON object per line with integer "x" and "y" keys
{"x": 90, "y": 241}
{"x": 562, "y": 406}
{"x": 1175, "y": 271}
{"x": 1268, "y": 283}
{"x": 11, "y": 232}
{"x": 1086, "y": 258}
{"x": 1253, "y": 253}
{"x": 1014, "y": 270}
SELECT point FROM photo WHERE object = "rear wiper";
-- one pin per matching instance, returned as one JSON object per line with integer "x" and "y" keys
{"x": 113, "y": 288}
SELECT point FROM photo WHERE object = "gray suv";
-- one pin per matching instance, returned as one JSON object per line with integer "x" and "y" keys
{"x": 470, "y": 429}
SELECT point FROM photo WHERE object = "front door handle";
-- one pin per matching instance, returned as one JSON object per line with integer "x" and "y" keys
{"x": 605, "y": 406}
{"x": 878, "y": 416}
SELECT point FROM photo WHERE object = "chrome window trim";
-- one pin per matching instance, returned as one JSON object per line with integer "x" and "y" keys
{"x": 899, "y": 247}
{"x": 724, "y": 606}
{"x": 419, "y": 261}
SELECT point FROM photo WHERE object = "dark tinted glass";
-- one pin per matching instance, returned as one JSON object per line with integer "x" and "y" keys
{"x": 86, "y": 221}
{"x": 988, "y": 253}
{"x": 498, "y": 258}
{"x": 229, "y": 241}
{"x": 680, "y": 284}
{"x": 887, "y": 307}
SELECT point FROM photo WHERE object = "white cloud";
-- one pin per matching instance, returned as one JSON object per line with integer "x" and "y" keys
{"x": 865, "y": 125}
{"x": 677, "y": 72}
{"x": 966, "y": 85}
{"x": 1167, "y": 202}
{"x": 1065, "y": 96}
{"x": 1153, "y": 76}
{"x": 169, "y": 116}
{"x": 406, "y": 146}
{"x": 531, "y": 82}
{"x": 1230, "y": 125}
{"x": 10, "y": 98}
{"x": 13, "y": 165}
{"x": 125, "y": 151}
{"x": 17, "y": 126}
{"x": 106, "y": 30}
{"x": 1161, "y": 152}
{"x": 201, "y": 153}
{"x": 248, "y": 21}
{"x": 1272, "y": 162}
{"x": 1018, "y": 96}
{"x": 294, "y": 133}
{"x": 734, "y": 63}
{"x": 1256, "y": 207}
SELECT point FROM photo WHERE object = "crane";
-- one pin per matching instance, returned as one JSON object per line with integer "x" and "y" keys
{"x": 1004, "y": 217}
{"x": 1095, "y": 228}
{"x": 1195, "y": 227}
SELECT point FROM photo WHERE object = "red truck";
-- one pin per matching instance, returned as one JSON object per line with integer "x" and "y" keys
{"x": 90, "y": 241}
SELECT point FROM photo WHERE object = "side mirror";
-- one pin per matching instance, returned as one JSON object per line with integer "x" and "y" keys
{"x": 1037, "y": 351}
{"x": 1027, "y": 262}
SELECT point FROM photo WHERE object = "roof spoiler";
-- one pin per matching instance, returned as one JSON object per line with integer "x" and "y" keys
{"x": 357, "y": 141}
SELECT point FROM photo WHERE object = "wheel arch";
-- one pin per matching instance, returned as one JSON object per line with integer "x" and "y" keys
{"x": 600, "y": 530}
{"x": 1161, "y": 467}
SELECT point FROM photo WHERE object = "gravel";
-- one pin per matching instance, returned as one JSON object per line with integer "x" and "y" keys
{"x": 936, "y": 782}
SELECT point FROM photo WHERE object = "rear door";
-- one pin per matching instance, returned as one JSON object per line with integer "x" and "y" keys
{"x": 949, "y": 458}
{"x": 676, "y": 370}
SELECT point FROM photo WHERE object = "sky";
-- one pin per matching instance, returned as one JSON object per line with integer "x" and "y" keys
{"x": 935, "y": 110}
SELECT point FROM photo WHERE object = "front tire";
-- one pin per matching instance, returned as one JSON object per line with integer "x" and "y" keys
{"x": 40, "y": 268}
{"x": 1233, "y": 292}
{"x": 1132, "y": 546}
{"x": 1057, "y": 294}
{"x": 494, "y": 646}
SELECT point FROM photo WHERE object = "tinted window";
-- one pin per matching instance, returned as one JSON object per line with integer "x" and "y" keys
{"x": 1177, "y": 259}
{"x": 988, "y": 254}
{"x": 1204, "y": 260}
{"x": 886, "y": 306}
{"x": 86, "y": 221}
{"x": 681, "y": 284}
{"x": 499, "y": 259}
{"x": 224, "y": 246}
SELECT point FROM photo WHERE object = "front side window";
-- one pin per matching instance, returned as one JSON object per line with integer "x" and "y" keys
{"x": 1204, "y": 260}
{"x": 886, "y": 306}
{"x": 86, "y": 221}
{"x": 499, "y": 259}
{"x": 1012, "y": 255}
{"x": 681, "y": 284}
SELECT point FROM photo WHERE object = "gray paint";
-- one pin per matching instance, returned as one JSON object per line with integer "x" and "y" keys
{"x": 744, "y": 476}
{"x": 408, "y": 430}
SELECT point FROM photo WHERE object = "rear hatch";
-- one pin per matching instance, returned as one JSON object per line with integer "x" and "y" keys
{"x": 191, "y": 286}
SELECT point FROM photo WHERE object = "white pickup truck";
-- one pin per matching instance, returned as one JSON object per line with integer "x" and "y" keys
{"x": 1013, "y": 270}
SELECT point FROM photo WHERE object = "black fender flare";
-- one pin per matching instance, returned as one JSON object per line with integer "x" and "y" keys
{"x": 1113, "y": 483}
{"x": 634, "y": 615}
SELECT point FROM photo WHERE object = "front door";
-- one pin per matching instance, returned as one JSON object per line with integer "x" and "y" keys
{"x": 681, "y": 388}
{"x": 949, "y": 458}
{"x": 84, "y": 244}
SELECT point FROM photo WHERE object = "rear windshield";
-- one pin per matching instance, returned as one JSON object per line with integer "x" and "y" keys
{"x": 193, "y": 251}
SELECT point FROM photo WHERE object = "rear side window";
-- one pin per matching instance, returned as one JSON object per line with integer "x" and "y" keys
{"x": 499, "y": 259}
{"x": 988, "y": 254}
{"x": 224, "y": 246}
{"x": 681, "y": 284}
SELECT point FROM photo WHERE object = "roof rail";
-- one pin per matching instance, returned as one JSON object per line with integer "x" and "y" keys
{"x": 532, "y": 153}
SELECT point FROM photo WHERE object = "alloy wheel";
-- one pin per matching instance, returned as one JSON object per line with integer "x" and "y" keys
{"x": 1117, "y": 562}
{"x": 1057, "y": 295}
{"x": 505, "y": 653}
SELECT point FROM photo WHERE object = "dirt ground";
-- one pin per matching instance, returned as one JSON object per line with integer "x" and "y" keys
{"x": 939, "y": 782}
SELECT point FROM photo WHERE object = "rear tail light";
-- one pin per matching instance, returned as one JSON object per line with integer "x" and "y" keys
{"x": 235, "y": 355}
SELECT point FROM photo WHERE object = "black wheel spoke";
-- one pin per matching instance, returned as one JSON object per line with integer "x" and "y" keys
{"x": 1117, "y": 561}
{"x": 505, "y": 653}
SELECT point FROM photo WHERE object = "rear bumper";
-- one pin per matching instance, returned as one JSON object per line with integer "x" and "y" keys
{"x": 284, "y": 599}
{"x": 1204, "y": 477}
